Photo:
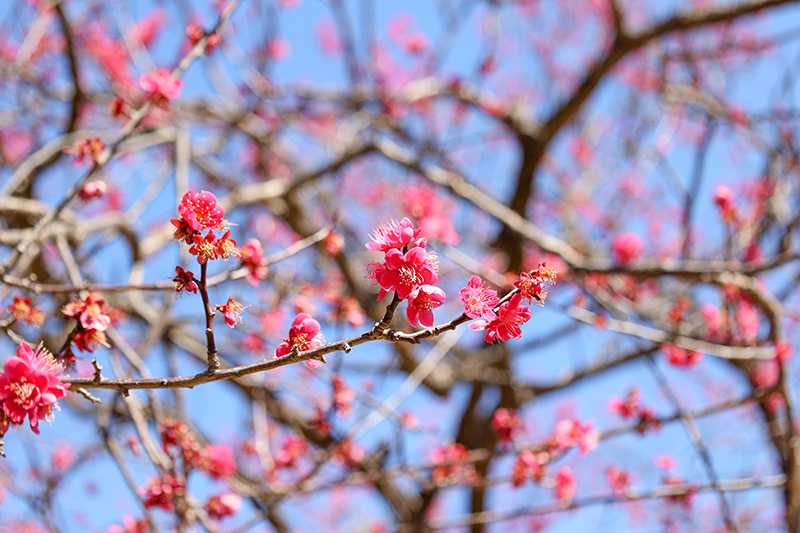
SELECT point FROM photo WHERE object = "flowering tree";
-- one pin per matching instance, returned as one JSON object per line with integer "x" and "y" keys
{"x": 283, "y": 265}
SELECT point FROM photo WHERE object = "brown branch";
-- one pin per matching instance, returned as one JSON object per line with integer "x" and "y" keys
{"x": 208, "y": 312}
{"x": 534, "y": 148}
{"x": 665, "y": 491}
{"x": 136, "y": 118}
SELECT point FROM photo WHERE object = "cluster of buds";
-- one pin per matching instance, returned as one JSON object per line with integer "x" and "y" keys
{"x": 162, "y": 491}
{"x": 408, "y": 270}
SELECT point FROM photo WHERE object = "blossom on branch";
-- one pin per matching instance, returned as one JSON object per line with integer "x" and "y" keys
{"x": 90, "y": 312}
{"x": 218, "y": 461}
{"x": 232, "y": 312}
{"x": 304, "y": 335}
{"x": 506, "y": 423}
{"x": 619, "y": 480}
{"x": 479, "y": 301}
{"x": 91, "y": 149}
{"x": 421, "y": 303}
{"x": 395, "y": 235}
{"x": 160, "y": 86}
{"x": 451, "y": 464}
{"x": 510, "y": 316}
{"x": 201, "y": 211}
{"x": 93, "y": 318}
{"x": 184, "y": 280}
{"x": 565, "y": 484}
{"x": 251, "y": 254}
{"x": 291, "y": 451}
{"x": 23, "y": 310}
{"x": 405, "y": 272}
{"x": 223, "y": 505}
{"x": 681, "y": 357}
{"x": 533, "y": 284}
{"x": 30, "y": 387}
{"x": 162, "y": 491}
{"x": 627, "y": 248}
{"x": 529, "y": 465}
{"x": 572, "y": 433}
{"x": 92, "y": 189}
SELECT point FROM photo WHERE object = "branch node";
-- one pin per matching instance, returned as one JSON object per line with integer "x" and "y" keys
{"x": 98, "y": 371}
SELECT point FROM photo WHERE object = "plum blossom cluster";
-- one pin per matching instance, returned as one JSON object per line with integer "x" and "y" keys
{"x": 502, "y": 320}
{"x": 531, "y": 464}
{"x": 30, "y": 387}
{"x": 408, "y": 269}
{"x": 630, "y": 408}
{"x": 217, "y": 461}
{"x": 349, "y": 453}
{"x": 201, "y": 224}
{"x": 452, "y": 465}
{"x": 93, "y": 318}
{"x": 200, "y": 217}
{"x": 23, "y": 309}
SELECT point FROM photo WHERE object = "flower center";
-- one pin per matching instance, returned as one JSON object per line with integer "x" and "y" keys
{"x": 408, "y": 276}
{"x": 22, "y": 391}
{"x": 423, "y": 301}
{"x": 301, "y": 342}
